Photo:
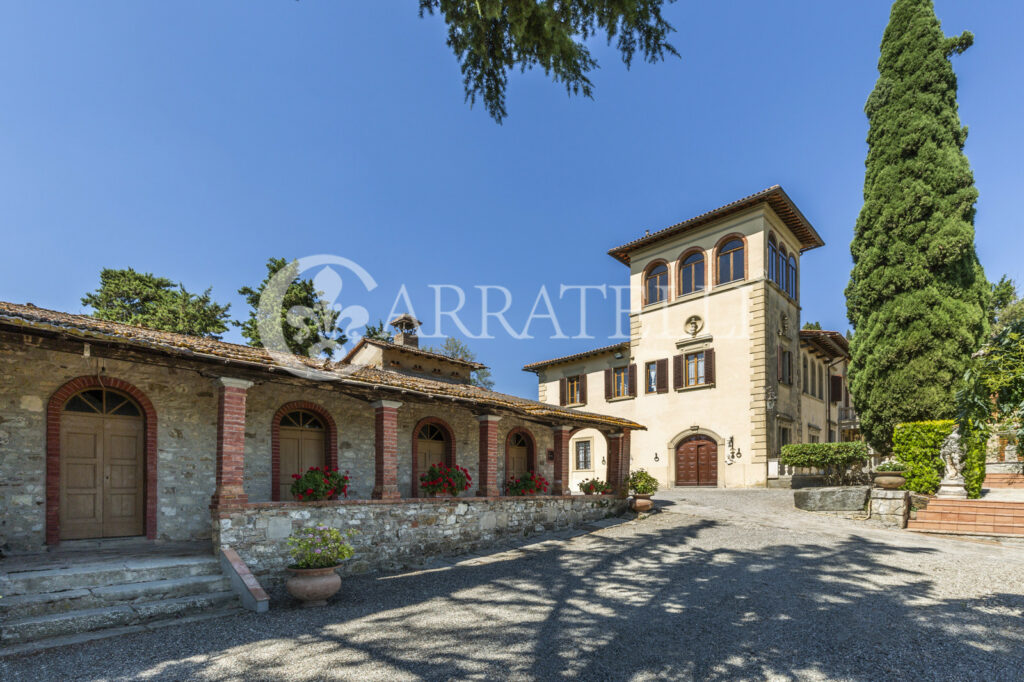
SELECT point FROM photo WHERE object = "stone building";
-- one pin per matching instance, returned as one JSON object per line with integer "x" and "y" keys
{"x": 111, "y": 430}
{"x": 715, "y": 364}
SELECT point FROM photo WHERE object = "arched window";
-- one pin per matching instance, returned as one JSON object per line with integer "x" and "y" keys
{"x": 791, "y": 276}
{"x": 102, "y": 401}
{"x": 300, "y": 419}
{"x": 805, "y": 377}
{"x": 433, "y": 442}
{"x": 730, "y": 261}
{"x": 691, "y": 273}
{"x": 780, "y": 267}
{"x": 656, "y": 284}
{"x": 773, "y": 251}
{"x": 432, "y": 432}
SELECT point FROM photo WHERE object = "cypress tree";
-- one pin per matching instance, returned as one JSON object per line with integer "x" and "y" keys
{"x": 917, "y": 296}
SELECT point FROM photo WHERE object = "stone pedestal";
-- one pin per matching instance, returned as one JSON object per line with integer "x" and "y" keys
{"x": 890, "y": 508}
{"x": 952, "y": 488}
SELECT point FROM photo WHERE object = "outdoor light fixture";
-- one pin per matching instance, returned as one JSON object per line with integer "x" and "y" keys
{"x": 551, "y": 454}
{"x": 602, "y": 460}
{"x": 656, "y": 457}
{"x": 734, "y": 452}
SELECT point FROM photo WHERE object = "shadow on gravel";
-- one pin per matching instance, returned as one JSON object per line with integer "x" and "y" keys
{"x": 643, "y": 606}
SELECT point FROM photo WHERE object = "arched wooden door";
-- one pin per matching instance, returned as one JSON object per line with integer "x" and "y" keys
{"x": 303, "y": 443}
{"x": 102, "y": 467}
{"x": 697, "y": 462}
{"x": 518, "y": 454}
{"x": 431, "y": 447}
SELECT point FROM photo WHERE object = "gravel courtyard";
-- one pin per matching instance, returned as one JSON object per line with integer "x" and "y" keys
{"x": 720, "y": 585}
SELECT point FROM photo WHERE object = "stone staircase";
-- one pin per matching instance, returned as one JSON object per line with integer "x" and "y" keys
{"x": 1004, "y": 480}
{"x": 970, "y": 517}
{"x": 56, "y": 603}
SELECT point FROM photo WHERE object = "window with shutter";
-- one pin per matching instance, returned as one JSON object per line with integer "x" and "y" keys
{"x": 805, "y": 377}
{"x": 609, "y": 386}
{"x": 582, "y": 397}
{"x": 662, "y": 366}
{"x": 632, "y": 380}
{"x": 561, "y": 391}
{"x": 778, "y": 360}
{"x": 620, "y": 379}
{"x": 836, "y": 389}
{"x": 677, "y": 371}
{"x": 709, "y": 366}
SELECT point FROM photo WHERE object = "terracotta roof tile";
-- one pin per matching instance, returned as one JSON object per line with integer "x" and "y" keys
{"x": 31, "y": 318}
{"x": 387, "y": 345}
{"x": 534, "y": 366}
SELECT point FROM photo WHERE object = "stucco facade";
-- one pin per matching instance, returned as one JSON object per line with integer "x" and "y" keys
{"x": 747, "y": 330}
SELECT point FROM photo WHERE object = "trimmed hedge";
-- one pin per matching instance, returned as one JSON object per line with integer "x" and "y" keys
{"x": 918, "y": 446}
{"x": 835, "y": 458}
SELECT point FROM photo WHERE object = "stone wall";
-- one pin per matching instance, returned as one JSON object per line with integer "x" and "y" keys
{"x": 186, "y": 407}
{"x": 400, "y": 533}
{"x": 890, "y": 508}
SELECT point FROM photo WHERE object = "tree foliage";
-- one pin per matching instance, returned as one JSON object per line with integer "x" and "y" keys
{"x": 993, "y": 388}
{"x": 145, "y": 300}
{"x": 917, "y": 296}
{"x": 454, "y": 348}
{"x": 836, "y": 459}
{"x": 812, "y": 325}
{"x": 1006, "y": 305}
{"x": 918, "y": 446}
{"x": 309, "y": 324}
{"x": 493, "y": 37}
{"x": 378, "y": 332}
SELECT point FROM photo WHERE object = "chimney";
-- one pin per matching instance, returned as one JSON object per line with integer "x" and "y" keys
{"x": 405, "y": 330}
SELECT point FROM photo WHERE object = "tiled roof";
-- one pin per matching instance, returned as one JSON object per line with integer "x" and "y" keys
{"x": 25, "y": 318}
{"x": 831, "y": 343}
{"x": 387, "y": 345}
{"x": 774, "y": 196}
{"x": 534, "y": 366}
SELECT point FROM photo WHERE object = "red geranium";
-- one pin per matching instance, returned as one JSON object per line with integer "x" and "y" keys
{"x": 319, "y": 484}
{"x": 531, "y": 484}
{"x": 446, "y": 480}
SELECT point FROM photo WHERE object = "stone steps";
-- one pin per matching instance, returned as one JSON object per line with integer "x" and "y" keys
{"x": 1004, "y": 480}
{"x": 972, "y": 517}
{"x": 81, "y": 600}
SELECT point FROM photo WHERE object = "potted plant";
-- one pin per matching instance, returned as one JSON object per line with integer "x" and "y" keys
{"x": 316, "y": 554}
{"x": 530, "y": 484}
{"x": 889, "y": 475}
{"x": 319, "y": 483}
{"x": 642, "y": 485}
{"x": 445, "y": 481}
{"x": 595, "y": 486}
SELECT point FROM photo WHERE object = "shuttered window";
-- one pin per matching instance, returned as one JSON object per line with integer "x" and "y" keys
{"x": 662, "y": 369}
{"x": 632, "y": 380}
{"x": 573, "y": 390}
{"x": 650, "y": 377}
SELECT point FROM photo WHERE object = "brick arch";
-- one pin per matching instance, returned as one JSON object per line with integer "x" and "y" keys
{"x": 54, "y": 410}
{"x": 330, "y": 443}
{"x": 449, "y": 449}
{"x": 531, "y": 448}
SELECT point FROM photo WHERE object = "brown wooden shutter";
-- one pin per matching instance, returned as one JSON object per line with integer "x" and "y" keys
{"x": 779, "y": 361}
{"x": 609, "y": 384}
{"x": 662, "y": 377}
{"x": 583, "y": 389}
{"x": 561, "y": 391}
{"x": 677, "y": 371}
{"x": 836, "y": 388}
{"x": 632, "y": 380}
{"x": 709, "y": 366}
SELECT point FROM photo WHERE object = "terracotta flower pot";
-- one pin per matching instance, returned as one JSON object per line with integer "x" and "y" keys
{"x": 641, "y": 503}
{"x": 588, "y": 492}
{"x": 889, "y": 480}
{"x": 313, "y": 586}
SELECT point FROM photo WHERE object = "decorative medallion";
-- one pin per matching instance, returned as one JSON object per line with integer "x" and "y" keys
{"x": 694, "y": 324}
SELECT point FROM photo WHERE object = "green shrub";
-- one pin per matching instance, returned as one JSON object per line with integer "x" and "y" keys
{"x": 642, "y": 483}
{"x": 835, "y": 458}
{"x": 918, "y": 446}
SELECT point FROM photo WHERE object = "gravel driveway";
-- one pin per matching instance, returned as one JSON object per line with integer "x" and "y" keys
{"x": 718, "y": 585}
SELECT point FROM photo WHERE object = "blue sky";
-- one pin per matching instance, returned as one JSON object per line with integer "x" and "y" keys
{"x": 196, "y": 139}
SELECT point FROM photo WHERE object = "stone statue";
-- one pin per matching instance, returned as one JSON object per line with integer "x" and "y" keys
{"x": 952, "y": 455}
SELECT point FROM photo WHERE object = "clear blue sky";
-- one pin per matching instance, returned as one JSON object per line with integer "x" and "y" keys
{"x": 197, "y": 139}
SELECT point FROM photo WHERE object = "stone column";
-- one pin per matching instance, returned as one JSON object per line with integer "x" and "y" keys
{"x": 487, "y": 485}
{"x": 230, "y": 489}
{"x": 385, "y": 478}
{"x": 560, "y": 486}
{"x": 618, "y": 462}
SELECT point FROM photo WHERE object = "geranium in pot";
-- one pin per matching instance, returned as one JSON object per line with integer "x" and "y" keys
{"x": 319, "y": 483}
{"x": 642, "y": 485}
{"x": 889, "y": 475}
{"x": 527, "y": 485}
{"x": 316, "y": 554}
{"x": 445, "y": 481}
{"x": 595, "y": 486}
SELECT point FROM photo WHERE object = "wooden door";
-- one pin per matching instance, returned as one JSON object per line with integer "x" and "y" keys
{"x": 301, "y": 448}
{"x": 102, "y": 476}
{"x": 697, "y": 462}
{"x": 517, "y": 461}
{"x": 428, "y": 453}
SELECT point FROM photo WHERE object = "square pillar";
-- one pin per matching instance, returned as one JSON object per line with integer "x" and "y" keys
{"x": 385, "y": 448}
{"x": 618, "y": 462}
{"x": 560, "y": 486}
{"x": 230, "y": 489}
{"x": 487, "y": 483}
